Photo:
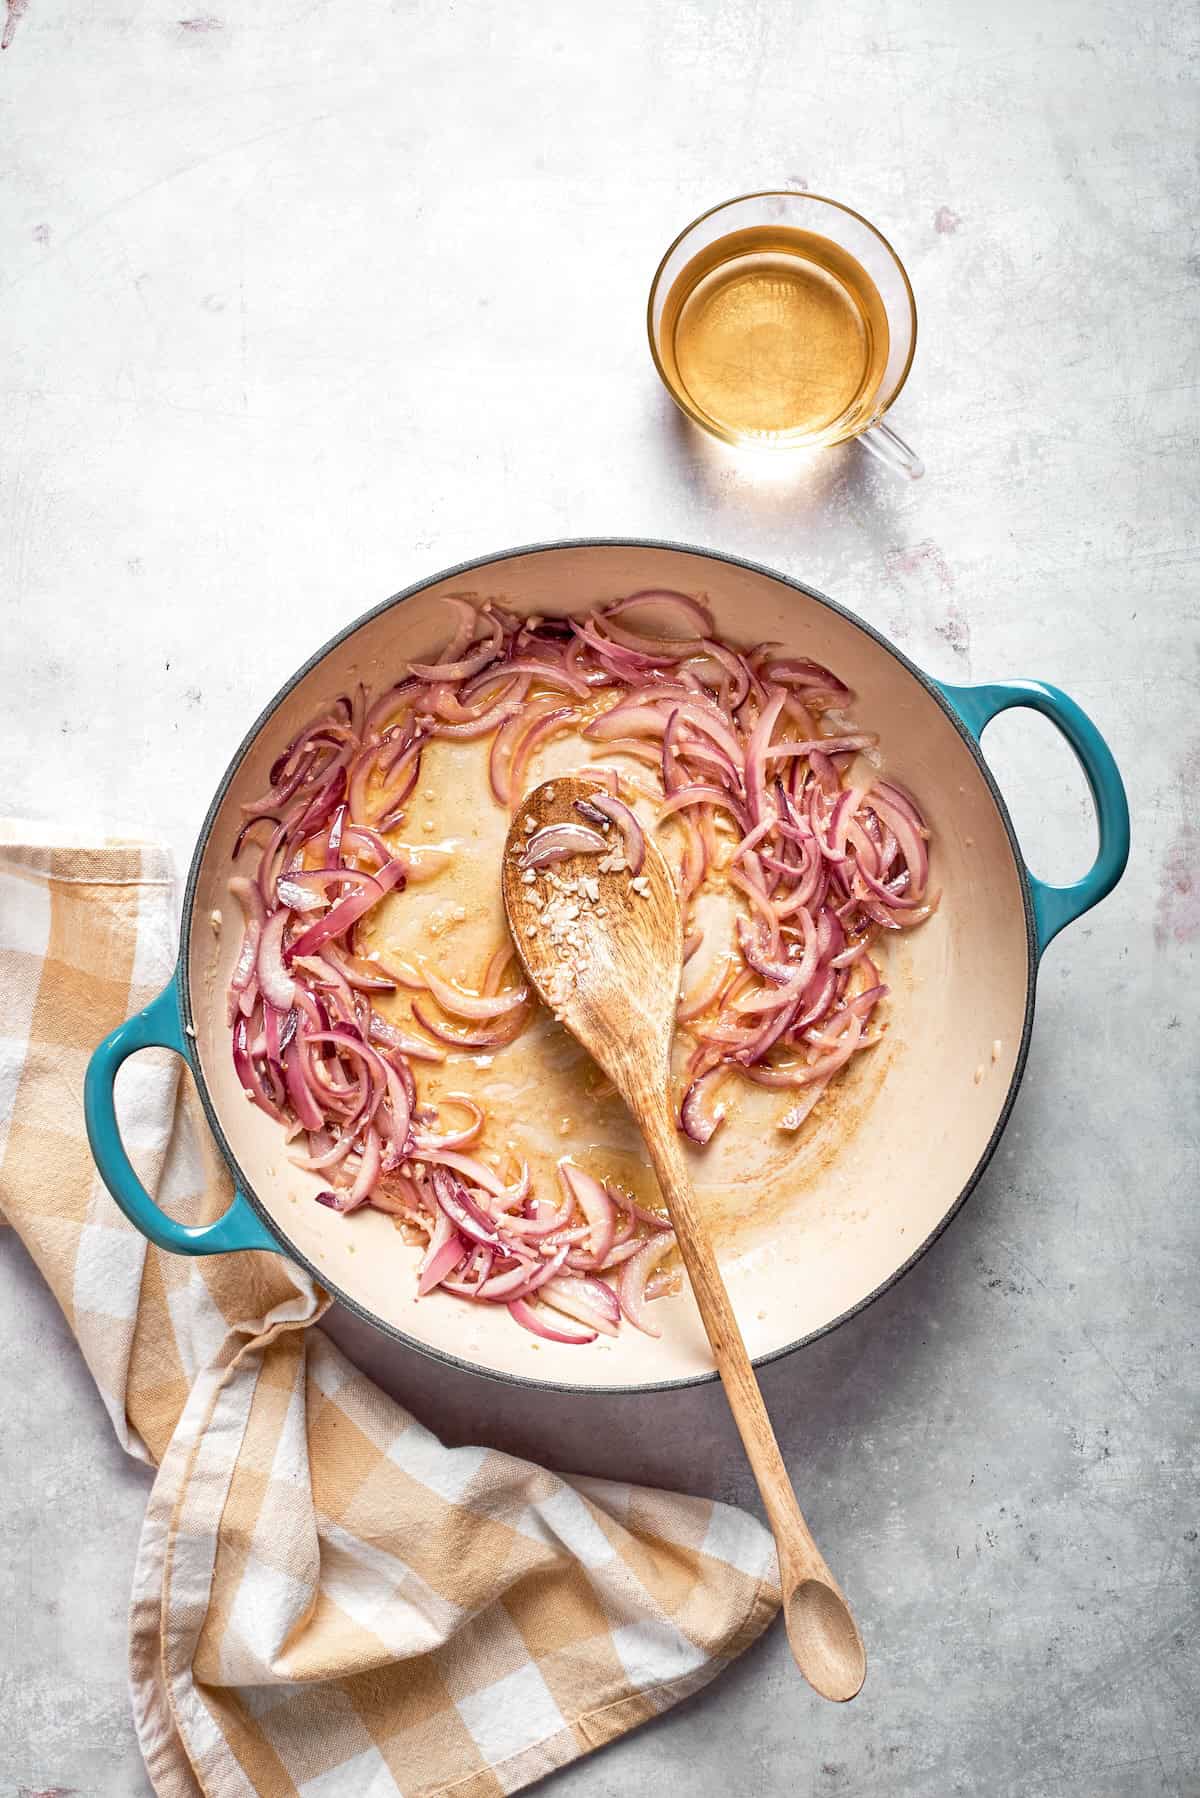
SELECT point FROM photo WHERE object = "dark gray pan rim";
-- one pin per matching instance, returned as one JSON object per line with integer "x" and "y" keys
{"x": 454, "y": 573}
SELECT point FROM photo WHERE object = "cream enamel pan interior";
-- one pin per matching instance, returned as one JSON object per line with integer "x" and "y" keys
{"x": 808, "y": 1227}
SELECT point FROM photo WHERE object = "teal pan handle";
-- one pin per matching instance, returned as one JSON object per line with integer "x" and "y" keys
{"x": 159, "y": 1026}
{"x": 1055, "y": 907}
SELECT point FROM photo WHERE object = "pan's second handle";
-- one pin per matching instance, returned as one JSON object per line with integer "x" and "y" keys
{"x": 821, "y": 1630}
{"x": 159, "y": 1026}
{"x": 1054, "y": 907}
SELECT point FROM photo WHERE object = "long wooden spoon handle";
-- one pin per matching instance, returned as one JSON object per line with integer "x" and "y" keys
{"x": 824, "y": 1638}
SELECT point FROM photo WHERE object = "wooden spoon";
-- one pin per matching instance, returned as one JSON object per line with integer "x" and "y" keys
{"x": 611, "y": 975}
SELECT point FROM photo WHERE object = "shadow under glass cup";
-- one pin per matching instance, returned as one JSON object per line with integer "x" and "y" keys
{"x": 786, "y": 321}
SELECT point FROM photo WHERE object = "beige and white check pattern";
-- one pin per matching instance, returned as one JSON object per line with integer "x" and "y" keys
{"x": 326, "y": 1601}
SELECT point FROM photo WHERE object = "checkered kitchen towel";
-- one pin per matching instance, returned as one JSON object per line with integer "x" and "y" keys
{"x": 326, "y": 1600}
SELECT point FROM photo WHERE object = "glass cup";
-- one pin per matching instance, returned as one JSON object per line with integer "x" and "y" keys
{"x": 784, "y": 320}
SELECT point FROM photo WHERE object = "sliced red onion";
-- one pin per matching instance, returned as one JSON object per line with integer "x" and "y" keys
{"x": 499, "y": 964}
{"x": 650, "y": 650}
{"x": 694, "y": 865}
{"x": 755, "y": 837}
{"x": 672, "y": 779}
{"x": 827, "y": 746}
{"x": 559, "y": 843}
{"x": 766, "y": 909}
{"x": 756, "y": 752}
{"x": 827, "y": 781}
{"x": 515, "y": 742}
{"x": 632, "y": 746}
{"x": 777, "y": 1025}
{"x": 494, "y": 1038}
{"x": 596, "y": 1205}
{"x": 424, "y": 1143}
{"x": 508, "y": 707}
{"x": 903, "y": 802}
{"x": 532, "y": 740}
{"x": 471, "y": 1168}
{"x": 250, "y": 825}
{"x": 798, "y": 970}
{"x": 321, "y": 808}
{"x": 336, "y": 827}
{"x": 477, "y": 1006}
{"x": 477, "y": 699}
{"x": 553, "y": 674}
{"x": 395, "y": 1123}
{"x": 363, "y": 976}
{"x": 297, "y": 898}
{"x": 336, "y": 1201}
{"x": 347, "y": 911}
{"x": 819, "y": 1071}
{"x": 631, "y": 831}
{"x": 384, "y": 809}
{"x": 312, "y": 884}
{"x": 253, "y": 917}
{"x": 832, "y": 843}
{"x": 461, "y": 1209}
{"x": 411, "y": 1046}
{"x": 464, "y": 630}
{"x": 589, "y": 1301}
{"x": 323, "y": 1154}
{"x": 698, "y": 793}
{"x": 639, "y": 1213}
{"x": 623, "y": 663}
{"x": 515, "y": 1283}
{"x": 626, "y": 720}
{"x": 397, "y": 973}
{"x": 365, "y": 1094}
{"x": 279, "y": 1028}
{"x": 476, "y": 1269}
{"x": 810, "y": 677}
{"x": 392, "y": 701}
{"x": 278, "y": 796}
{"x": 249, "y": 1078}
{"x": 276, "y": 983}
{"x": 839, "y": 1052}
{"x": 703, "y": 995}
{"x": 892, "y": 896}
{"x": 691, "y": 611}
{"x": 446, "y": 1251}
{"x": 909, "y": 838}
{"x": 299, "y": 1091}
{"x": 531, "y": 1319}
{"x": 362, "y": 840}
{"x": 634, "y": 1275}
{"x": 864, "y": 1003}
{"x": 699, "y": 1114}
{"x": 368, "y": 1172}
{"x": 469, "y": 664}
{"x": 617, "y": 1255}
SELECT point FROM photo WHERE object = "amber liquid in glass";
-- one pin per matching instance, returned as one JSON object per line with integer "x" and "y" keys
{"x": 775, "y": 336}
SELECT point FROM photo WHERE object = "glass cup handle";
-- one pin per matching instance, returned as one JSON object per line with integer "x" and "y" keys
{"x": 892, "y": 451}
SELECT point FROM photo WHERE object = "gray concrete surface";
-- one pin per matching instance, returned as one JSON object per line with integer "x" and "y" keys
{"x": 303, "y": 301}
